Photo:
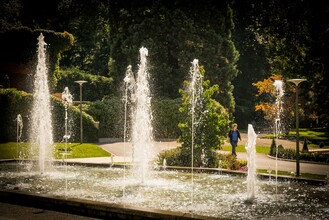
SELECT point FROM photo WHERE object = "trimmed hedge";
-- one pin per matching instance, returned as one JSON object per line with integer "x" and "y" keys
{"x": 14, "y": 102}
{"x": 110, "y": 113}
{"x": 95, "y": 89}
{"x": 291, "y": 154}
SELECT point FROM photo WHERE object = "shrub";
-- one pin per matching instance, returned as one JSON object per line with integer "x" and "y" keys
{"x": 229, "y": 161}
{"x": 166, "y": 117}
{"x": 210, "y": 124}
{"x": 305, "y": 147}
{"x": 273, "y": 147}
{"x": 13, "y": 102}
{"x": 110, "y": 114}
{"x": 95, "y": 89}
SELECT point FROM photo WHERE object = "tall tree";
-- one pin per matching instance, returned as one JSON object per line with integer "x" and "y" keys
{"x": 181, "y": 31}
{"x": 295, "y": 34}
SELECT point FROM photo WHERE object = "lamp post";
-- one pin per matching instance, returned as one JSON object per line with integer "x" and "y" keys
{"x": 296, "y": 82}
{"x": 80, "y": 82}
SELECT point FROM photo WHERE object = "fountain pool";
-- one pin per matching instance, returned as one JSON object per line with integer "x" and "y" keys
{"x": 220, "y": 196}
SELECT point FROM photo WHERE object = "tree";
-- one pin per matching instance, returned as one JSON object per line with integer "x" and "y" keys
{"x": 210, "y": 125}
{"x": 181, "y": 31}
{"x": 295, "y": 35}
{"x": 275, "y": 107}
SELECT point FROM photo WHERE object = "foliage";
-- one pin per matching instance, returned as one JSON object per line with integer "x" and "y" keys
{"x": 305, "y": 145}
{"x": 274, "y": 105}
{"x": 315, "y": 136}
{"x": 295, "y": 35}
{"x": 174, "y": 157}
{"x": 25, "y": 41}
{"x": 110, "y": 113}
{"x": 95, "y": 89}
{"x": 289, "y": 38}
{"x": 90, "y": 131}
{"x": 291, "y": 154}
{"x": 273, "y": 147}
{"x": 166, "y": 117}
{"x": 89, "y": 23}
{"x": 19, "y": 102}
{"x": 267, "y": 89}
{"x": 228, "y": 161}
{"x": 210, "y": 129}
{"x": 178, "y": 36}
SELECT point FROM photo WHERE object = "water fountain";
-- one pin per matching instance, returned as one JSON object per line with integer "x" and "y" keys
{"x": 165, "y": 194}
{"x": 278, "y": 84}
{"x": 67, "y": 98}
{"x": 19, "y": 131}
{"x": 195, "y": 90}
{"x": 141, "y": 114}
{"x": 251, "y": 151}
{"x": 41, "y": 137}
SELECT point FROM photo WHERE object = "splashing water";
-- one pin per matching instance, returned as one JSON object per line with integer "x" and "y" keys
{"x": 19, "y": 126}
{"x": 41, "y": 136}
{"x": 278, "y": 84}
{"x": 195, "y": 92}
{"x": 251, "y": 151}
{"x": 142, "y": 130}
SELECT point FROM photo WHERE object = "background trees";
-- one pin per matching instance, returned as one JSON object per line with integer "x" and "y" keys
{"x": 238, "y": 43}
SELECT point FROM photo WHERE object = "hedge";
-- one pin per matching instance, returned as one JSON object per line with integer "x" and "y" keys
{"x": 110, "y": 113}
{"x": 14, "y": 102}
{"x": 95, "y": 89}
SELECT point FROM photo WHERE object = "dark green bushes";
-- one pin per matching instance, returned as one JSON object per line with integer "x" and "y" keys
{"x": 95, "y": 89}
{"x": 13, "y": 102}
{"x": 291, "y": 155}
{"x": 180, "y": 157}
{"x": 110, "y": 113}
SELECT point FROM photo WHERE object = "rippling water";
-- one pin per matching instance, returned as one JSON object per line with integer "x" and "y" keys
{"x": 214, "y": 195}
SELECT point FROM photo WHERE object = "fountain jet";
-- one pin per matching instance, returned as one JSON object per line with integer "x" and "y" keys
{"x": 142, "y": 130}
{"x": 251, "y": 151}
{"x": 41, "y": 136}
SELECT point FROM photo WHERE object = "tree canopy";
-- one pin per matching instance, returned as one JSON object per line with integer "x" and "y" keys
{"x": 238, "y": 43}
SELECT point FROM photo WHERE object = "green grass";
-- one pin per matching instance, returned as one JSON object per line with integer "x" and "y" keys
{"x": 11, "y": 150}
{"x": 78, "y": 150}
{"x": 241, "y": 148}
{"x": 303, "y": 175}
{"x": 313, "y": 135}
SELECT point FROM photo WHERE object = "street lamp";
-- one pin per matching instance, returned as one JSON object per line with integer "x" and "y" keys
{"x": 80, "y": 82}
{"x": 296, "y": 82}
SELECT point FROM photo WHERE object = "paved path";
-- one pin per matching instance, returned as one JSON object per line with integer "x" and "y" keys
{"x": 120, "y": 149}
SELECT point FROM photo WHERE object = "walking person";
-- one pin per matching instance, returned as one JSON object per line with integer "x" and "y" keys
{"x": 234, "y": 136}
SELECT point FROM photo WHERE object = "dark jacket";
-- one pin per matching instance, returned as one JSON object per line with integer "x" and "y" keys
{"x": 230, "y": 134}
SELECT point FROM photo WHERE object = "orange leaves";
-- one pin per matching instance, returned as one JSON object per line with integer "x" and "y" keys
{"x": 266, "y": 86}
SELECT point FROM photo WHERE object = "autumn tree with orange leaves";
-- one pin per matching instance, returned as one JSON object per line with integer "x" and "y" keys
{"x": 271, "y": 106}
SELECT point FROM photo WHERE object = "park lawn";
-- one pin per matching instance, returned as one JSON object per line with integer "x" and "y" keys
{"x": 11, "y": 150}
{"x": 241, "y": 148}
{"x": 314, "y": 136}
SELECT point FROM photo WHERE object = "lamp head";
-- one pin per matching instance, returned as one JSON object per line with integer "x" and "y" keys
{"x": 80, "y": 82}
{"x": 296, "y": 81}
